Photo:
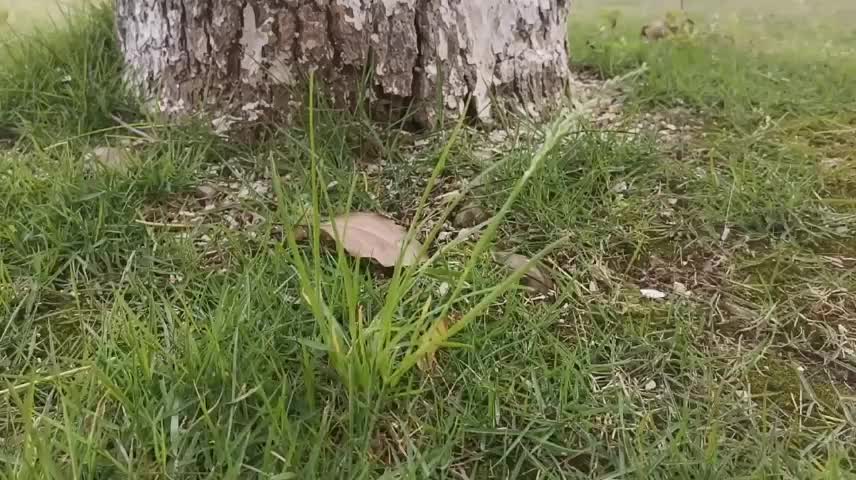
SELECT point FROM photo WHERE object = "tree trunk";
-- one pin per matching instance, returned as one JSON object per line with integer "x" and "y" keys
{"x": 248, "y": 59}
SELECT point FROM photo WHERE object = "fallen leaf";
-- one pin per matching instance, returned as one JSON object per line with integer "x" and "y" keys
{"x": 369, "y": 235}
{"x": 538, "y": 277}
{"x": 653, "y": 294}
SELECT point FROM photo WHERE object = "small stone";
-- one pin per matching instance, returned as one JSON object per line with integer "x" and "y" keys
{"x": 593, "y": 288}
{"x": 832, "y": 163}
{"x": 482, "y": 155}
{"x": 651, "y": 385}
{"x": 261, "y": 187}
{"x": 498, "y": 136}
{"x": 681, "y": 289}
{"x": 222, "y": 125}
{"x": 205, "y": 191}
{"x": 470, "y": 216}
{"x": 652, "y": 294}
{"x": 620, "y": 187}
{"x": 112, "y": 158}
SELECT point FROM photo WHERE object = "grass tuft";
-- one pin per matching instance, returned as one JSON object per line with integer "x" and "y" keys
{"x": 64, "y": 80}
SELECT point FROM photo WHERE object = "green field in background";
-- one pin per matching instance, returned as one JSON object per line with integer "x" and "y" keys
{"x": 22, "y": 13}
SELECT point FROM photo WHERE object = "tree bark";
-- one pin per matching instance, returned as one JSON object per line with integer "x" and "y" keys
{"x": 248, "y": 59}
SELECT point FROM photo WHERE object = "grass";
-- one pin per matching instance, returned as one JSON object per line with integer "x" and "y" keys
{"x": 20, "y": 16}
{"x": 150, "y": 331}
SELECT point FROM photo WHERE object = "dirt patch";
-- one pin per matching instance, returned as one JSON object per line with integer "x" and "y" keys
{"x": 233, "y": 201}
{"x": 793, "y": 385}
{"x": 674, "y": 129}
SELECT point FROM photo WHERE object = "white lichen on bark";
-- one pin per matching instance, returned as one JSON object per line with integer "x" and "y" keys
{"x": 230, "y": 57}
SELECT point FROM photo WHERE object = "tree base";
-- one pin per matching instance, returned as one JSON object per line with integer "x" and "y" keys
{"x": 422, "y": 59}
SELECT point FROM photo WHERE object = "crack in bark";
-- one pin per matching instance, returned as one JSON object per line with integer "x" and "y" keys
{"x": 237, "y": 50}
{"x": 331, "y": 38}
{"x": 418, "y": 73}
{"x": 206, "y": 21}
{"x": 298, "y": 27}
{"x": 182, "y": 39}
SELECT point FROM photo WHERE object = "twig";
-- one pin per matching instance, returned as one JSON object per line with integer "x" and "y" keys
{"x": 49, "y": 378}
{"x": 132, "y": 129}
{"x": 164, "y": 225}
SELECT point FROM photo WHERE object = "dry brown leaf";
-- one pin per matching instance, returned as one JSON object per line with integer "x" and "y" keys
{"x": 369, "y": 235}
{"x": 538, "y": 277}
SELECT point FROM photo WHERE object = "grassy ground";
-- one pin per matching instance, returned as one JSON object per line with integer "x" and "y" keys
{"x": 140, "y": 338}
{"x": 25, "y": 14}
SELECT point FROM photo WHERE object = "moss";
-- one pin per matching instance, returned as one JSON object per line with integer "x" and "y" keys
{"x": 779, "y": 380}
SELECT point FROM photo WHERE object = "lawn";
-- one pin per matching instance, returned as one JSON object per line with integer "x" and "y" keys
{"x": 159, "y": 318}
{"x": 26, "y": 14}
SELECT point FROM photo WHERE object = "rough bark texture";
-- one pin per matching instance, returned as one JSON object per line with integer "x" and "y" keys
{"x": 246, "y": 59}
